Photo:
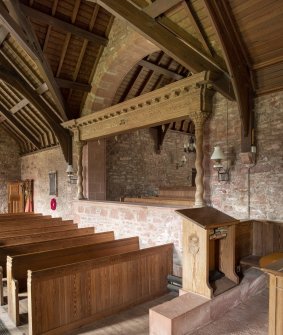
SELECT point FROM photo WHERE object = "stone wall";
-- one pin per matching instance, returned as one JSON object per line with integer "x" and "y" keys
{"x": 153, "y": 225}
{"x": 37, "y": 167}
{"x": 9, "y": 166}
{"x": 254, "y": 192}
{"x": 135, "y": 169}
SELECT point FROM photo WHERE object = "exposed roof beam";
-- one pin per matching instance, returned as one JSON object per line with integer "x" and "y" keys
{"x": 235, "y": 57}
{"x": 63, "y": 83}
{"x": 159, "y": 7}
{"x": 3, "y": 34}
{"x": 24, "y": 132}
{"x": 12, "y": 78}
{"x": 28, "y": 41}
{"x": 161, "y": 70}
{"x": 185, "y": 54}
{"x": 68, "y": 27}
{"x": 197, "y": 26}
{"x": 19, "y": 106}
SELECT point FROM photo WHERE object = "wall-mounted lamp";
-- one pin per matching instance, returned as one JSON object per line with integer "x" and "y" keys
{"x": 182, "y": 162}
{"x": 217, "y": 157}
{"x": 71, "y": 175}
{"x": 190, "y": 146}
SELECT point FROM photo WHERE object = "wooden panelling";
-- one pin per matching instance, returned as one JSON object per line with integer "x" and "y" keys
{"x": 244, "y": 240}
{"x": 96, "y": 288}
{"x": 18, "y": 265}
{"x": 269, "y": 78}
{"x": 267, "y": 237}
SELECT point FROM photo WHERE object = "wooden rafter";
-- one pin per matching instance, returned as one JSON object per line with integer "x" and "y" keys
{"x": 159, "y": 7}
{"x": 131, "y": 83}
{"x": 22, "y": 130}
{"x": 184, "y": 53}
{"x": 161, "y": 70}
{"x": 3, "y": 34}
{"x": 235, "y": 57}
{"x": 65, "y": 26}
{"x": 12, "y": 78}
{"x": 25, "y": 36}
{"x": 161, "y": 133}
{"x": 197, "y": 27}
{"x": 64, "y": 83}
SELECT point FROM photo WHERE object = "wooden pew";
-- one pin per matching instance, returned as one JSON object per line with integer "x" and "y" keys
{"x": 27, "y": 231}
{"x": 8, "y": 215}
{"x": 39, "y": 237}
{"x": 26, "y": 218}
{"x": 91, "y": 290}
{"x": 31, "y": 224}
{"x": 18, "y": 265}
{"x": 48, "y": 245}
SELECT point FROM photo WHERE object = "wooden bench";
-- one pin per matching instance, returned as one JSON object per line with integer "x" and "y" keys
{"x": 48, "y": 245}
{"x": 174, "y": 196}
{"x": 26, "y": 218}
{"x": 90, "y": 290}
{"x": 32, "y": 224}
{"x": 27, "y": 231}
{"x": 17, "y": 215}
{"x": 39, "y": 237}
{"x": 161, "y": 201}
{"x": 18, "y": 265}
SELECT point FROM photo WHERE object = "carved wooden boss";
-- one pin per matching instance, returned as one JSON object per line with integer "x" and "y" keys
{"x": 186, "y": 98}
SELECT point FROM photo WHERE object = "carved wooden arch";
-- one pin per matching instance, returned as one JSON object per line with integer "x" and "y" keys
{"x": 188, "y": 97}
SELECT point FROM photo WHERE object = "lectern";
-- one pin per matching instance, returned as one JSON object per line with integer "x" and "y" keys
{"x": 202, "y": 227}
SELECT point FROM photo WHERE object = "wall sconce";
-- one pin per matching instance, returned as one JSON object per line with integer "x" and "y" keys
{"x": 217, "y": 157}
{"x": 71, "y": 175}
{"x": 182, "y": 162}
{"x": 190, "y": 147}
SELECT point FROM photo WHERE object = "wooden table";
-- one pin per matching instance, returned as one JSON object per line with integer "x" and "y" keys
{"x": 201, "y": 228}
{"x": 275, "y": 271}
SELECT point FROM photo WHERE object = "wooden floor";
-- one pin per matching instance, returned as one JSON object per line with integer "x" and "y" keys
{"x": 246, "y": 319}
{"x": 131, "y": 322}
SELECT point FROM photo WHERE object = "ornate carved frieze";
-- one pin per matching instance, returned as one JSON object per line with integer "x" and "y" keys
{"x": 182, "y": 99}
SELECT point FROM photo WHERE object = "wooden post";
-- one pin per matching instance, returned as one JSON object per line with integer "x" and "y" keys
{"x": 199, "y": 119}
{"x": 80, "y": 145}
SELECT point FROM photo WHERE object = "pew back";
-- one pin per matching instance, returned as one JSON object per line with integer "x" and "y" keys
{"x": 39, "y": 237}
{"x": 93, "y": 289}
{"x": 53, "y": 245}
{"x": 27, "y": 231}
{"x": 26, "y": 218}
{"x": 18, "y": 265}
{"x": 10, "y": 226}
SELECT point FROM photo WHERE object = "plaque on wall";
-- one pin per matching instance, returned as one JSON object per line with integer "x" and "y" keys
{"x": 53, "y": 183}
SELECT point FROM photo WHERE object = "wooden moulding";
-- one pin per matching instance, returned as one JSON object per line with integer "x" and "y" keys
{"x": 182, "y": 99}
{"x": 92, "y": 289}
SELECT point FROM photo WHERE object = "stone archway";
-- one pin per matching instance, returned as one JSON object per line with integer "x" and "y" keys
{"x": 126, "y": 47}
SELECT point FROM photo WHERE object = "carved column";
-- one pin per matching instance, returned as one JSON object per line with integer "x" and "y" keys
{"x": 199, "y": 119}
{"x": 80, "y": 145}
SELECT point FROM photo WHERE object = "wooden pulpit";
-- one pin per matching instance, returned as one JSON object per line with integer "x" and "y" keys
{"x": 202, "y": 229}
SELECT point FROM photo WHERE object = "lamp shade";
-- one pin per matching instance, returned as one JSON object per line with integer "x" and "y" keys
{"x": 70, "y": 169}
{"x": 217, "y": 154}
